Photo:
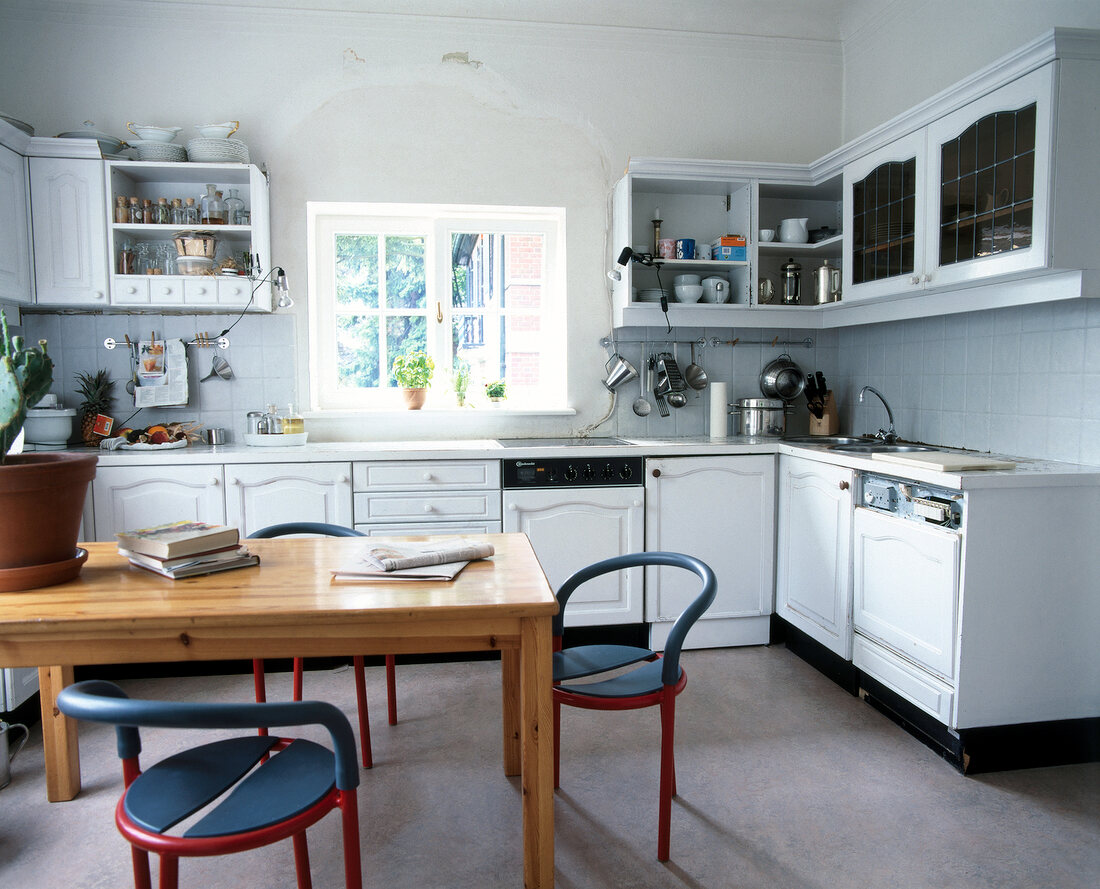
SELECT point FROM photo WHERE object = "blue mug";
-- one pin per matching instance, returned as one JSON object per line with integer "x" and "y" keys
{"x": 685, "y": 248}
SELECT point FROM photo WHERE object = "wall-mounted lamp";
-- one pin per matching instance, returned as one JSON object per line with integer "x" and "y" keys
{"x": 616, "y": 274}
{"x": 283, "y": 300}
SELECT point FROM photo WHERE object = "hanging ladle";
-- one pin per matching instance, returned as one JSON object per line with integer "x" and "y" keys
{"x": 219, "y": 368}
{"x": 694, "y": 375}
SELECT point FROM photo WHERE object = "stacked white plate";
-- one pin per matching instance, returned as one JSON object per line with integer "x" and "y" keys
{"x": 217, "y": 151}
{"x": 158, "y": 151}
{"x": 651, "y": 295}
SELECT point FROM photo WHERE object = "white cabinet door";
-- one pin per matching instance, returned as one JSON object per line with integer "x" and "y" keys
{"x": 720, "y": 510}
{"x": 258, "y": 495}
{"x": 905, "y": 588}
{"x": 572, "y": 528}
{"x": 813, "y": 588}
{"x": 15, "y": 244}
{"x": 128, "y": 497}
{"x": 19, "y": 684}
{"x": 68, "y": 219}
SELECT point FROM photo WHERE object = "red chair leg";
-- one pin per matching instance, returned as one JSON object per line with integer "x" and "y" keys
{"x": 140, "y": 857}
{"x": 391, "y": 688}
{"x": 353, "y": 868}
{"x": 258, "y": 682}
{"x": 296, "y": 691}
{"x": 169, "y": 872}
{"x": 301, "y": 861}
{"x": 361, "y": 702}
{"x": 668, "y": 772}
{"x": 557, "y": 745}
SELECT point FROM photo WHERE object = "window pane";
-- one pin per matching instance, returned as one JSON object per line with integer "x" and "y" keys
{"x": 404, "y": 333}
{"x": 405, "y": 273}
{"x": 357, "y": 346}
{"x": 357, "y": 271}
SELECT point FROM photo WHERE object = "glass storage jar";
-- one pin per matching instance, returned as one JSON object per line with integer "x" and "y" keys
{"x": 211, "y": 207}
{"x": 234, "y": 206}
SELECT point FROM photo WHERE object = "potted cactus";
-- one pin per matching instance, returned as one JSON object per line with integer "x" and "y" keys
{"x": 413, "y": 372}
{"x": 41, "y": 495}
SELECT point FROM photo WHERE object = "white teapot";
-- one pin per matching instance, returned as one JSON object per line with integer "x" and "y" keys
{"x": 794, "y": 231}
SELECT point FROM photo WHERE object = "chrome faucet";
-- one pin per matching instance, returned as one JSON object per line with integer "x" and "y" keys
{"x": 887, "y": 435}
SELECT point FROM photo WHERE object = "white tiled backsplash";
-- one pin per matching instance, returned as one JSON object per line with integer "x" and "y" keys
{"x": 261, "y": 354}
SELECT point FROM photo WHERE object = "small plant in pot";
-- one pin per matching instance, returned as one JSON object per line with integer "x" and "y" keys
{"x": 496, "y": 391}
{"x": 41, "y": 495}
{"x": 413, "y": 372}
{"x": 461, "y": 374}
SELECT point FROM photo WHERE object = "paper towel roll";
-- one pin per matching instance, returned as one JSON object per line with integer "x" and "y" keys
{"x": 719, "y": 410}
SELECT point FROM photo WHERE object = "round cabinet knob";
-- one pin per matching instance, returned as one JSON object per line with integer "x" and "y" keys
{"x": 202, "y": 290}
{"x": 656, "y": 473}
{"x": 427, "y": 476}
{"x": 915, "y": 279}
{"x": 343, "y": 480}
{"x": 98, "y": 294}
{"x": 215, "y": 481}
{"x": 636, "y": 503}
{"x": 234, "y": 481}
{"x": 927, "y": 279}
{"x": 428, "y": 507}
{"x": 512, "y": 507}
{"x": 131, "y": 289}
{"x": 844, "y": 486}
{"x": 167, "y": 291}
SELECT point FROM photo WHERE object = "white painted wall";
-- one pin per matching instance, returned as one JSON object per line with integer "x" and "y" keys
{"x": 351, "y": 106}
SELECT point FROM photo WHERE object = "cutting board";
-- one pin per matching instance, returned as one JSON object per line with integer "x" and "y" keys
{"x": 944, "y": 461}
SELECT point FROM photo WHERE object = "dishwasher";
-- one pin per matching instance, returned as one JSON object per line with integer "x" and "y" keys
{"x": 906, "y": 552}
{"x": 577, "y": 511}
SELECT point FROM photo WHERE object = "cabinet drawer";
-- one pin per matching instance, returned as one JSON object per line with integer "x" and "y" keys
{"x": 234, "y": 291}
{"x": 426, "y": 475}
{"x": 200, "y": 290}
{"x": 165, "y": 291}
{"x": 130, "y": 290}
{"x": 906, "y": 679}
{"x": 403, "y": 528}
{"x": 405, "y": 507}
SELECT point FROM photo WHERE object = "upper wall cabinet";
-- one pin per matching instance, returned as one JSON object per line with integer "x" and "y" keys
{"x": 70, "y": 243}
{"x": 964, "y": 200}
{"x": 15, "y": 245}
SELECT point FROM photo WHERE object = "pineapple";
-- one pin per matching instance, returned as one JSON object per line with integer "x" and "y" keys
{"x": 96, "y": 393}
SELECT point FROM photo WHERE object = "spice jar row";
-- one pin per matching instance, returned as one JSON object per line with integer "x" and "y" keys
{"x": 212, "y": 209}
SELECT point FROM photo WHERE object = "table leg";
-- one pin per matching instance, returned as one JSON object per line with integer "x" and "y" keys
{"x": 59, "y": 736}
{"x": 510, "y": 708}
{"x": 537, "y": 738}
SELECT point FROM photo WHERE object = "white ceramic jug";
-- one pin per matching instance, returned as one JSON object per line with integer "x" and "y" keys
{"x": 794, "y": 231}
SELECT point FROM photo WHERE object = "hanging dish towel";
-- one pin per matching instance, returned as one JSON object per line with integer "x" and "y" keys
{"x": 162, "y": 373}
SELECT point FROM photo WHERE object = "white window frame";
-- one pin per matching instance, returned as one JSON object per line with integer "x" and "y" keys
{"x": 436, "y": 222}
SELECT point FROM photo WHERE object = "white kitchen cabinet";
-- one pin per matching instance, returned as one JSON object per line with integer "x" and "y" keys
{"x": 426, "y": 496}
{"x": 15, "y": 245}
{"x": 721, "y": 510}
{"x": 813, "y": 589}
{"x": 127, "y": 497}
{"x": 17, "y": 684}
{"x": 575, "y": 527}
{"x": 262, "y": 494}
{"x": 145, "y": 180}
{"x": 70, "y": 243}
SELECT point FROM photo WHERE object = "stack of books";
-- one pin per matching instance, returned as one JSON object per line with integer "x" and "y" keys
{"x": 185, "y": 549}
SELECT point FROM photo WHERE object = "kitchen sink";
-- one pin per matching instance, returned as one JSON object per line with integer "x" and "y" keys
{"x": 825, "y": 439}
{"x": 881, "y": 447}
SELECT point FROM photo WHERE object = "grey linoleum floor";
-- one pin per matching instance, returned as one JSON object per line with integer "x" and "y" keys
{"x": 785, "y": 781}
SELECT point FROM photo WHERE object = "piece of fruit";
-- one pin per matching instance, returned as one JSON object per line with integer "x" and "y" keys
{"x": 159, "y": 437}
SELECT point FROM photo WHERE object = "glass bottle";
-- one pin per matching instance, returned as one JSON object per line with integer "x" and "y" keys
{"x": 161, "y": 214}
{"x": 211, "y": 207}
{"x": 177, "y": 212}
{"x": 190, "y": 212}
{"x": 141, "y": 259}
{"x": 147, "y": 211}
{"x": 122, "y": 210}
{"x": 126, "y": 258}
{"x": 293, "y": 422}
{"x": 274, "y": 421}
{"x": 166, "y": 259}
{"x": 233, "y": 207}
{"x": 135, "y": 211}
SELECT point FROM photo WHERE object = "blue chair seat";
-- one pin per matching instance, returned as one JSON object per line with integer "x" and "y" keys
{"x": 642, "y": 681}
{"x": 175, "y": 788}
{"x": 588, "y": 660}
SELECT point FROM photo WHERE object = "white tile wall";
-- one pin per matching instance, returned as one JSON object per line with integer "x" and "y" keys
{"x": 261, "y": 354}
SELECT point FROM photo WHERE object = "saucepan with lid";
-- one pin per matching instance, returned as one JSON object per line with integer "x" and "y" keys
{"x": 782, "y": 378}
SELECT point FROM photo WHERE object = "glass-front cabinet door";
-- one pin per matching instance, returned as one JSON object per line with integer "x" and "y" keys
{"x": 884, "y": 225}
{"x": 990, "y": 165}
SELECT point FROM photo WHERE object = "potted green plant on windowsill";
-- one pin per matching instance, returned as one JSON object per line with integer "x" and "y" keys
{"x": 41, "y": 495}
{"x": 496, "y": 391}
{"x": 461, "y": 374}
{"x": 413, "y": 372}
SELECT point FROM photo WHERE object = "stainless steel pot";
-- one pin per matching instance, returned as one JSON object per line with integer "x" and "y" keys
{"x": 8, "y": 749}
{"x": 759, "y": 416}
{"x": 782, "y": 378}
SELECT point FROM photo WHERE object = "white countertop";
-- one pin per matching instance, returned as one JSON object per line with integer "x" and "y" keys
{"x": 1026, "y": 473}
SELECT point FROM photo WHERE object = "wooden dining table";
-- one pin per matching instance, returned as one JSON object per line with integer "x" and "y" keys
{"x": 288, "y": 606}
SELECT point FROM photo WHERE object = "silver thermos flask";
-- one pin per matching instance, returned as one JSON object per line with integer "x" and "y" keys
{"x": 792, "y": 276}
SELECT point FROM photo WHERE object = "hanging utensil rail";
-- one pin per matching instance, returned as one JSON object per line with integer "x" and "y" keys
{"x": 703, "y": 342}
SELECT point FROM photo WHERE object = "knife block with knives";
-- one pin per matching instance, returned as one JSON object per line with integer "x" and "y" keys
{"x": 828, "y": 423}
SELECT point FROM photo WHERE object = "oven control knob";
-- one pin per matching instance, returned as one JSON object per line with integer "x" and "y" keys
{"x": 552, "y": 475}
{"x": 589, "y": 472}
{"x": 608, "y": 471}
{"x": 625, "y": 472}
{"x": 570, "y": 473}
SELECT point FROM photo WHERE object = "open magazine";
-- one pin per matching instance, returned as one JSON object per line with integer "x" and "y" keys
{"x": 437, "y": 560}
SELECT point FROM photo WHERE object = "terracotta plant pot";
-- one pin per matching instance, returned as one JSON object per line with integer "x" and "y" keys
{"x": 41, "y": 504}
{"x": 414, "y": 398}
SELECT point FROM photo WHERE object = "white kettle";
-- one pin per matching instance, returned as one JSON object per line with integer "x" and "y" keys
{"x": 794, "y": 231}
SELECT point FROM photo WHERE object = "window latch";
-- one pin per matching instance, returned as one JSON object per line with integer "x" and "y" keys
{"x": 439, "y": 312}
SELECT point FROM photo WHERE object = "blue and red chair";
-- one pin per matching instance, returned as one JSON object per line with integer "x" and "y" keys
{"x": 328, "y": 530}
{"x": 247, "y": 792}
{"x": 656, "y": 683}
